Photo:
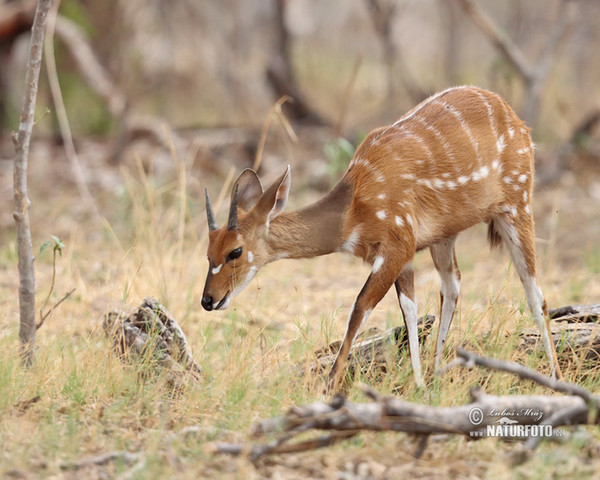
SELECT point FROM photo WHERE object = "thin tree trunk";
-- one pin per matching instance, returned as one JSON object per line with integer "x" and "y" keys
{"x": 22, "y": 140}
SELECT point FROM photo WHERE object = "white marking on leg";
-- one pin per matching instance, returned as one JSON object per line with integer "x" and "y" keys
{"x": 217, "y": 269}
{"x": 450, "y": 289}
{"x": 409, "y": 310}
{"x": 535, "y": 301}
{"x": 377, "y": 263}
{"x": 443, "y": 257}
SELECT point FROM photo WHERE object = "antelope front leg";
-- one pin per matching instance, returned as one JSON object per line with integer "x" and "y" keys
{"x": 379, "y": 282}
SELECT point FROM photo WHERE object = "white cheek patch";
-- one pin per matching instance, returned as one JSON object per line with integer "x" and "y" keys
{"x": 216, "y": 270}
{"x": 247, "y": 280}
{"x": 250, "y": 257}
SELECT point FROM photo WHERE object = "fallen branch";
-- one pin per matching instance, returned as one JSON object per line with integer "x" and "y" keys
{"x": 486, "y": 414}
{"x": 121, "y": 456}
{"x": 574, "y": 330}
{"x": 370, "y": 352}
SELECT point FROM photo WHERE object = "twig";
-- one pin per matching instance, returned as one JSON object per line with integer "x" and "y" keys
{"x": 122, "y": 456}
{"x": 61, "y": 115}
{"x": 521, "y": 371}
{"x": 54, "y": 307}
{"x": 274, "y": 111}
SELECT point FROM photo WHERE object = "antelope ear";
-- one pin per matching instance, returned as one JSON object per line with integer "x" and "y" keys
{"x": 249, "y": 189}
{"x": 273, "y": 201}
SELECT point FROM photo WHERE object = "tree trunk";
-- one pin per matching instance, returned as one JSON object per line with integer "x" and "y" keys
{"x": 22, "y": 140}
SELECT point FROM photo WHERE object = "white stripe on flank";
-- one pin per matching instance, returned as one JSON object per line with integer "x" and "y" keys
{"x": 460, "y": 118}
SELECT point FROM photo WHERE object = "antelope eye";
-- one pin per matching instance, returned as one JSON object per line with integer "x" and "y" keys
{"x": 237, "y": 253}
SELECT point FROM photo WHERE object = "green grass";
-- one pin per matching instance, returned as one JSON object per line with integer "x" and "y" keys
{"x": 92, "y": 403}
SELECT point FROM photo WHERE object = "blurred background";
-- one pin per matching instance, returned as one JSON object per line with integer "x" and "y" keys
{"x": 210, "y": 71}
{"x": 165, "y": 93}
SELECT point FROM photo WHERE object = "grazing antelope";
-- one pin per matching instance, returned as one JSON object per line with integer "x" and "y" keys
{"x": 459, "y": 158}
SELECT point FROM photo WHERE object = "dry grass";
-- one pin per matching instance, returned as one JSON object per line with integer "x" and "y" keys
{"x": 153, "y": 243}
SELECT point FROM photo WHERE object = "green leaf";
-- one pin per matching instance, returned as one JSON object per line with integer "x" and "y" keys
{"x": 44, "y": 246}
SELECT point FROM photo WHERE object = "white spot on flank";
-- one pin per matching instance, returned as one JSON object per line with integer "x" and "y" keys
{"x": 525, "y": 196}
{"x": 381, "y": 196}
{"x": 451, "y": 185}
{"x": 507, "y": 180}
{"x": 495, "y": 164}
{"x": 439, "y": 183}
{"x": 484, "y": 171}
{"x": 250, "y": 256}
{"x": 217, "y": 269}
{"x": 527, "y": 209}
{"x": 381, "y": 214}
{"x": 409, "y": 219}
{"x": 511, "y": 132}
{"x": 408, "y": 176}
{"x": 523, "y": 178}
{"x": 523, "y": 151}
{"x": 462, "y": 180}
{"x": 377, "y": 263}
{"x": 399, "y": 221}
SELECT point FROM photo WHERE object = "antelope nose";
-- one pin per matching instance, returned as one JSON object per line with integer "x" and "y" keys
{"x": 207, "y": 303}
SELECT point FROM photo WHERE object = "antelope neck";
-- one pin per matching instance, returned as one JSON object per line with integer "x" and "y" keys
{"x": 313, "y": 230}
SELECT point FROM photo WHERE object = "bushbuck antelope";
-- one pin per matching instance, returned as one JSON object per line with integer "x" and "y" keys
{"x": 458, "y": 158}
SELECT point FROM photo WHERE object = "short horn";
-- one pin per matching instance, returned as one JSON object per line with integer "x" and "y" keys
{"x": 232, "y": 223}
{"x": 210, "y": 215}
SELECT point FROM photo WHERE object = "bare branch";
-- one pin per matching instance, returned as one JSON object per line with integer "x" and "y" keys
{"x": 521, "y": 371}
{"x": 61, "y": 115}
{"x": 27, "y": 330}
{"x": 54, "y": 307}
{"x": 509, "y": 49}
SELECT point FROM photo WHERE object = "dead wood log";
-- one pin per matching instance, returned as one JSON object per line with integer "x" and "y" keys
{"x": 485, "y": 415}
{"x": 369, "y": 354}
{"x": 151, "y": 334}
{"x": 574, "y": 330}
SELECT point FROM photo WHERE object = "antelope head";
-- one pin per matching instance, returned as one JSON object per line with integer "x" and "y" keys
{"x": 237, "y": 251}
